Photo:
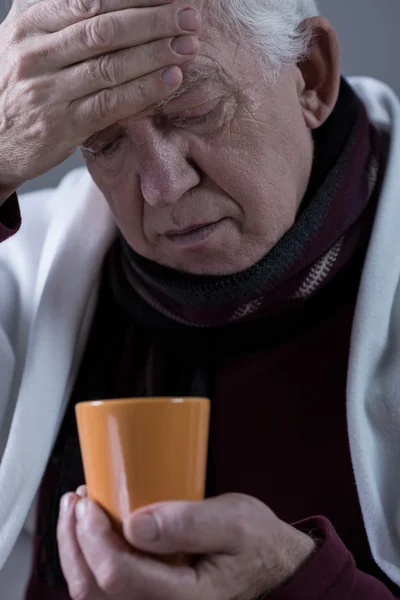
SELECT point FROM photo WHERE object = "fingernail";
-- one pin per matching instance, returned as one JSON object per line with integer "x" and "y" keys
{"x": 66, "y": 501}
{"x": 184, "y": 45}
{"x": 81, "y": 509}
{"x": 189, "y": 19}
{"x": 171, "y": 76}
{"x": 145, "y": 528}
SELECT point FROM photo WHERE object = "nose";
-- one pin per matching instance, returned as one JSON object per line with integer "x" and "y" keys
{"x": 166, "y": 174}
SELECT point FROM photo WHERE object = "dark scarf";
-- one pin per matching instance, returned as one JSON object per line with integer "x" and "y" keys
{"x": 131, "y": 351}
{"x": 307, "y": 257}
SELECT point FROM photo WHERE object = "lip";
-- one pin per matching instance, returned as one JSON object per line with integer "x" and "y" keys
{"x": 194, "y": 236}
{"x": 176, "y": 232}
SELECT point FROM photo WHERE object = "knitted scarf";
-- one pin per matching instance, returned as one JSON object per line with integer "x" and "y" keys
{"x": 325, "y": 233}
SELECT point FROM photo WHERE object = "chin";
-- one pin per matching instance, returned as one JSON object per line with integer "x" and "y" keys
{"x": 213, "y": 251}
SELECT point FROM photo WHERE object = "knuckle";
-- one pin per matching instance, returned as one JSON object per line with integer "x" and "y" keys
{"x": 240, "y": 530}
{"x": 107, "y": 69}
{"x": 18, "y": 26}
{"x": 160, "y": 52}
{"x": 186, "y": 521}
{"x": 25, "y": 62}
{"x": 42, "y": 132}
{"x": 240, "y": 502}
{"x": 104, "y": 104}
{"x": 242, "y": 512}
{"x": 84, "y": 8}
{"x": 21, "y": 63}
{"x": 79, "y": 590}
{"x": 99, "y": 32}
{"x": 142, "y": 90}
{"x": 109, "y": 577}
{"x": 91, "y": 70}
{"x": 15, "y": 32}
{"x": 31, "y": 94}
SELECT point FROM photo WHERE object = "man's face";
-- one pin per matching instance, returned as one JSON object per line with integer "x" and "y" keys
{"x": 209, "y": 183}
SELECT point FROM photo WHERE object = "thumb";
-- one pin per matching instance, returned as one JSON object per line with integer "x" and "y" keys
{"x": 212, "y": 526}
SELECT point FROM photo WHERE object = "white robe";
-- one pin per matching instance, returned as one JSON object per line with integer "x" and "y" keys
{"x": 49, "y": 276}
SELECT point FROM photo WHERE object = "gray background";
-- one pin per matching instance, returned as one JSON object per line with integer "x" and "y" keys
{"x": 369, "y": 32}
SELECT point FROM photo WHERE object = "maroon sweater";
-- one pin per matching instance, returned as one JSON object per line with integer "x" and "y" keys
{"x": 294, "y": 454}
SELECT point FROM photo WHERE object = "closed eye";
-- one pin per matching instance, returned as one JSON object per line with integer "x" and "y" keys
{"x": 107, "y": 150}
{"x": 182, "y": 122}
{"x": 192, "y": 119}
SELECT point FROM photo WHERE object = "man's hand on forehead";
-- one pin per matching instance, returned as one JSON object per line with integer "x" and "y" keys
{"x": 100, "y": 62}
{"x": 193, "y": 77}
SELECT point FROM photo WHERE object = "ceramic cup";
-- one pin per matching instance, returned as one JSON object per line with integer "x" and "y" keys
{"x": 137, "y": 451}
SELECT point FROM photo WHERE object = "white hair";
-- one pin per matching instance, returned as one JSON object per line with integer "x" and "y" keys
{"x": 276, "y": 29}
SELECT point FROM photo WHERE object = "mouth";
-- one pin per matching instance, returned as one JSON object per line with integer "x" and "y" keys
{"x": 194, "y": 234}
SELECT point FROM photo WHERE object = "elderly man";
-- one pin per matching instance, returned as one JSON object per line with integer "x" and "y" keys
{"x": 256, "y": 201}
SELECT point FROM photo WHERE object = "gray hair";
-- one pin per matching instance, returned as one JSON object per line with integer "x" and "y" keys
{"x": 277, "y": 29}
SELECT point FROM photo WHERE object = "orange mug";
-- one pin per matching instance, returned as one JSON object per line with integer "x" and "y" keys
{"x": 138, "y": 451}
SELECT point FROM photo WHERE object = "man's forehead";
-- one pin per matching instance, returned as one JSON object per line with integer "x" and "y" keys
{"x": 193, "y": 77}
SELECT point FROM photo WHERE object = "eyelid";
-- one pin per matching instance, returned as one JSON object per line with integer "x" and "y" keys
{"x": 106, "y": 149}
{"x": 179, "y": 120}
{"x": 184, "y": 104}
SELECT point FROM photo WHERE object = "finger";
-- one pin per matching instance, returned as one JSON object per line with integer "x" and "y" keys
{"x": 82, "y": 491}
{"x": 56, "y": 15}
{"x": 114, "y": 104}
{"x": 127, "y": 65}
{"x": 217, "y": 525}
{"x": 81, "y": 583}
{"x": 116, "y": 31}
{"x": 118, "y": 569}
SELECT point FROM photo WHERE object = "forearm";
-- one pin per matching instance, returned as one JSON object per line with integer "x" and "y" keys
{"x": 331, "y": 573}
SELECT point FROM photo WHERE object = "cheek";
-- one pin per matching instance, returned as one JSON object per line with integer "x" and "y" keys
{"x": 273, "y": 171}
{"x": 259, "y": 177}
{"x": 122, "y": 192}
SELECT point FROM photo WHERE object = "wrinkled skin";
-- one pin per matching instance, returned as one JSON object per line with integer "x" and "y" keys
{"x": 236, "y": 152}
{"x": 245, "y": 550}
{"x": 72, "y": 67}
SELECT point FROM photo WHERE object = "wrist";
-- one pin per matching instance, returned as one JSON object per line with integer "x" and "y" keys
{"x": 302, "y": 547}
{"x": 296, "y": 548}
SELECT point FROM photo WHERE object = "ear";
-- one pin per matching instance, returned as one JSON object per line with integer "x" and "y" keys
{"x": 319, "y": 81}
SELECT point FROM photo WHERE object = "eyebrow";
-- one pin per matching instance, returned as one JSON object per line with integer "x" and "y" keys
{"x": 192, "y": 79}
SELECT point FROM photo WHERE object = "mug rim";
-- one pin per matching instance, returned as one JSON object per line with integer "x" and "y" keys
{"x": 143, "y": 400}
